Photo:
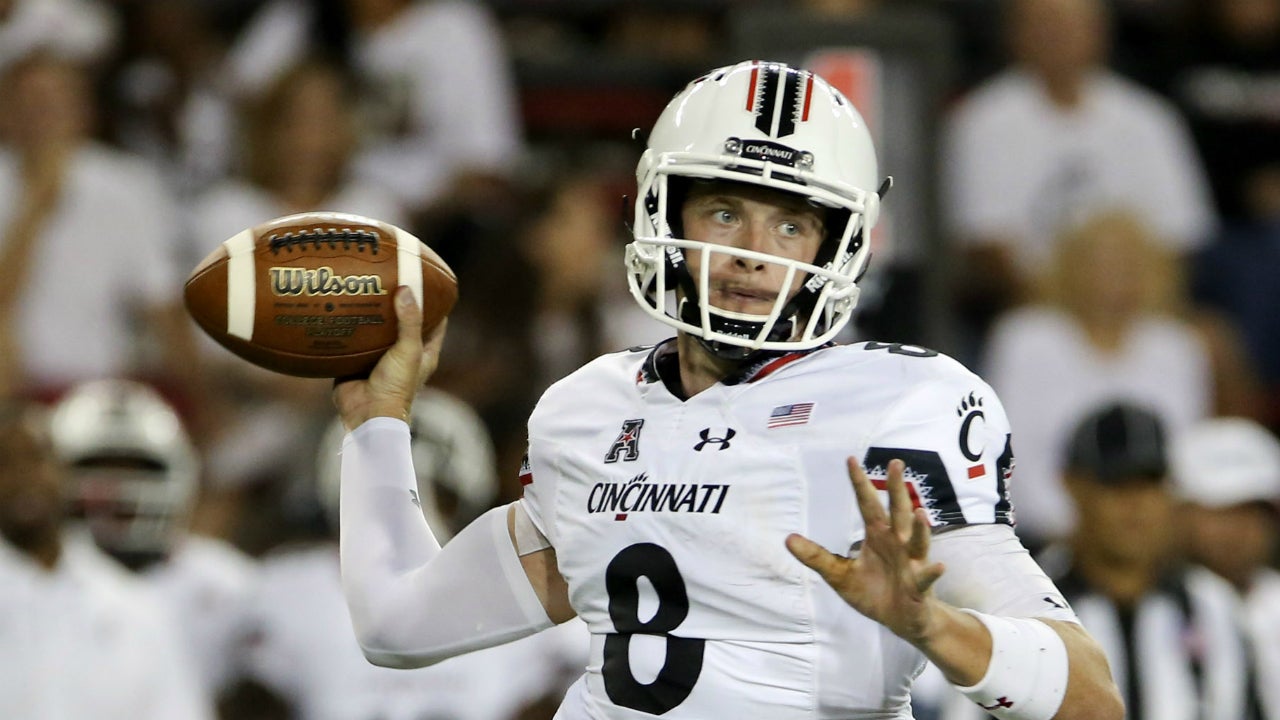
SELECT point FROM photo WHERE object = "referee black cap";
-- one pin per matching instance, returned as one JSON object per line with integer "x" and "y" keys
{"x": 1117, "y": 444}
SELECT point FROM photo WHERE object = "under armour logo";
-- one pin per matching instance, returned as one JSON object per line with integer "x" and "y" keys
{"x": 1001, "y": 702}
{"x": 705, "y": 434}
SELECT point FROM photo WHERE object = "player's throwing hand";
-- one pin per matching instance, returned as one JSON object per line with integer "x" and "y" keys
{"x": 390, "y": 388}
{"x": 890, "y": 579}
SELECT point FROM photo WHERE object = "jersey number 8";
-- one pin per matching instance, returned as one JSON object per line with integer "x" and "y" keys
{"x": 683, "y": 661}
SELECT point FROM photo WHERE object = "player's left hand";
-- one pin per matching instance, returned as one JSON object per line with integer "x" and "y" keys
{"x": 889, "y": 580}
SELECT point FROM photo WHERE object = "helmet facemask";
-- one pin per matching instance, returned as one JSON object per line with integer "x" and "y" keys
{"x": 815, "y": 301}
{"x": 134, "y": 509}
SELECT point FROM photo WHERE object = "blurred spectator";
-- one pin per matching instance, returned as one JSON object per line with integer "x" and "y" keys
{"x": 306, "y": 652}
{"x": 1167, "y": 630}
{"x": 1055, "y": 137}
{"x": 1226, "y": 77}
{"x": 1236, "y": 275}
{"x": 583, "y": 308}
{"x": 133, "y": 478}
{"x": 79, "y": 30}
{"x": 1101, "y": 335}
{"x": 439, "y": 116}
{"x": 1227, "y": 474}
{"x": 88, "y": 285}
{"x": 1224, "y": 73}
{"x": 81, "y": 638}
{"x": 299, "y": 140}
{"x": 168, "y": 98}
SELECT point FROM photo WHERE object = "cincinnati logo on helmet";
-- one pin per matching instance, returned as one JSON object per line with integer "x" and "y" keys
{"x": 779, "y": 96}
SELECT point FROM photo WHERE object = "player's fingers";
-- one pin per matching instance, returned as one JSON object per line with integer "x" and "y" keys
{"x": 899, "y": 501}
{"x": 431, "y": 352}
{"x": 918, "y": 543}
{"x": 403, "y": 360}
{"x": 868, "y": 500}
{"x": 816, "y": 558}
{"x": 929, "y": 576}
{"x": 408, "y": 318}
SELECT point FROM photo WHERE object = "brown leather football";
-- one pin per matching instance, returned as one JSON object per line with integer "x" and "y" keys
{"x": 312, "y": 294}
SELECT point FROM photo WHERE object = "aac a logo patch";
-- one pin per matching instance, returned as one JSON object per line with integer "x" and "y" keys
{"x": 627, "y": 446}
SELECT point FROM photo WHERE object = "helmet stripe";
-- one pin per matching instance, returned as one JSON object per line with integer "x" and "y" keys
{"x": 751, "y": 91}
{"x": 808, "y": 94}
{"x": 768, "y": 100}
{"x": 790, "y": 105}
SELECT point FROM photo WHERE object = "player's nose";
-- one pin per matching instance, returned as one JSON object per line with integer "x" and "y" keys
{"x": 754, "y": 237}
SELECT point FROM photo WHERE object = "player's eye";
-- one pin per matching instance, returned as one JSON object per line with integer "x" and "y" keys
{"x": 790, "y": 229}
{"x": 723, "y": 216}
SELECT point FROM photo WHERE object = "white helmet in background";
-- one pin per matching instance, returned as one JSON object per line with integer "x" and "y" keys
{"x": 1225, "y": 461}
{"x": 773, "y": 126}
{"x": 452, "y": 455}
{"x": 132, "y": 471}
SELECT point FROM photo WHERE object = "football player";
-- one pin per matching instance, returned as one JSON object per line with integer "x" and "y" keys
{"x": 300, "y": 643}
{"x": 676, "y": 498}
{"x": 132, "y": 477}
{"x": 82, "y": 638}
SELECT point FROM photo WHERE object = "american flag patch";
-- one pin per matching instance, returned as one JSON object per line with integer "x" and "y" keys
{"x": 786, "y": 415}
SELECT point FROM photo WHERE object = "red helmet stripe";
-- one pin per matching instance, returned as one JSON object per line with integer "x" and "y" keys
{"x": 751, "y": 91}
{"x": 808, "y": 93}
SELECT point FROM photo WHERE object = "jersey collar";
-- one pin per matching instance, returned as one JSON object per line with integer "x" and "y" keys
{"x": 663, "y": 365}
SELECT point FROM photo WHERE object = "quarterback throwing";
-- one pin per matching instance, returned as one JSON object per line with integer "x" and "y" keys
{"x": 680, "y": 498}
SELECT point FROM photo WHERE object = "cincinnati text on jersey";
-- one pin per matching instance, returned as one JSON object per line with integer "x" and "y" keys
{"x": 639, "y": 495}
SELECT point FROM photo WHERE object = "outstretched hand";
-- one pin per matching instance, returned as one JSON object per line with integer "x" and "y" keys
{"x": 390, "y": 388}
{"x": 890, "y": 579}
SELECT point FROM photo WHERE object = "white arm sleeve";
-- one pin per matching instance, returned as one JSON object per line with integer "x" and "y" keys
{"x": 988, "y": 570}
{"x": 413, "y": 603}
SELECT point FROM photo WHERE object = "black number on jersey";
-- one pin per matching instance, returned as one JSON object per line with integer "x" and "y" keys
{"x": 683, "y": 661}
{"x": 900, "y": 349}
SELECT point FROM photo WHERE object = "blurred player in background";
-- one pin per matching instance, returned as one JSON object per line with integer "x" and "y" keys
{"x": 79, "y": 637}
{"x": 300, "y": 643}
{"x": 666, "y": 488}
{"x": 132, "y": 477}
{"x": 1226, "y": 472}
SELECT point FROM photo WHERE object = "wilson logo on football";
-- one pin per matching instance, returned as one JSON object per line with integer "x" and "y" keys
{"x": 291, "y": 282}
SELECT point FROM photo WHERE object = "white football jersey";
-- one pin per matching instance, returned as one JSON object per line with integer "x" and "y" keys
{"x": 88, "y": 640}
{"x": 302, "y": 646}
{"x": 206, "y": 584}
{"x": 669, "y": 517}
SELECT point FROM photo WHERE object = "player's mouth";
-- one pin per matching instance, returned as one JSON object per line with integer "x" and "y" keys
{"x": 742, "y": 298}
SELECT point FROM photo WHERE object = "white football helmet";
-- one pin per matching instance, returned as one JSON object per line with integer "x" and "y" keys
{"x": 132, "y": 471}
{"x": 770, "y": 125}
{"x": 452, "y": 455}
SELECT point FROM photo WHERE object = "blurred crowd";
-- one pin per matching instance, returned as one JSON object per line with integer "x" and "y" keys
{"x": 1101, "y": 193}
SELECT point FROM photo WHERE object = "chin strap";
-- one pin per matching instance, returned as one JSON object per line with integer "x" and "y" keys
{"x": 689, "y": 312}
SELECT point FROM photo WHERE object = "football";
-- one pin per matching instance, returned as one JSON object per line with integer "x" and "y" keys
{"x": 312, "y": 295}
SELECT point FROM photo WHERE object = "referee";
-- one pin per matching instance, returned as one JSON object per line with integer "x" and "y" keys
{"x": 1167, "y": 629}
